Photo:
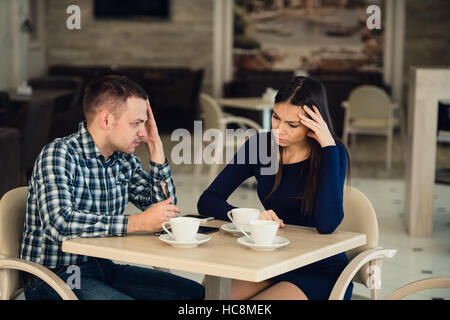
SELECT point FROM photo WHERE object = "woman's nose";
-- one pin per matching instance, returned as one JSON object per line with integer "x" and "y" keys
{"x": 281, "y": 128}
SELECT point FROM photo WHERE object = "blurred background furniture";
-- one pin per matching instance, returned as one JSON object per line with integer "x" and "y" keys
{"x": 365, "y": 262}
{"x": 33, "y": 116}
{"x": 5, "y": 108}
{"x": 338, "y": 84}
{"x": 254, "y": 104}
{"x": 67, "y": 106}
{"x": 250, "y": 84}
{"x": 34, "y": 125}
{"x": 369, "y": 110}
{"x": 172, "y": 90}
{"x": 12, "y": 215}
{"x": 9, "y": 159}
{"x": 214, "y": 118}
{"x": 443, "y": 136}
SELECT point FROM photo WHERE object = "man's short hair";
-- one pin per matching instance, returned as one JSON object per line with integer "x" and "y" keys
{"x": 110, "y": 92}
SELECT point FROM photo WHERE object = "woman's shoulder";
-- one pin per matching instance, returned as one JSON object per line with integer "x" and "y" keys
{"x": 341, "y": 147}
{"x": 339, "y": 151}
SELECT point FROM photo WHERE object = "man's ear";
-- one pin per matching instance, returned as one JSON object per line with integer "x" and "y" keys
{"x": 105, "y": 119}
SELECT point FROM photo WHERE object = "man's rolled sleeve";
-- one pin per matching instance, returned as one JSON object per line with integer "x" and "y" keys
{"x": 162, "y": 173}
{"x": 147, "y": 188}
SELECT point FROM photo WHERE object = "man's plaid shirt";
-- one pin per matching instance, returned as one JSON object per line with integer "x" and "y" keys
{"x": 74, "y": 192}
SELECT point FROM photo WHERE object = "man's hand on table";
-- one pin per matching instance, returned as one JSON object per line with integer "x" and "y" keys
{"x": 152, "y": 218}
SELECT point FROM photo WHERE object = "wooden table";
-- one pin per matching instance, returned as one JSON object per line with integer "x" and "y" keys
{"x": 222, "y": 258}
{"x": 258, "y": 104}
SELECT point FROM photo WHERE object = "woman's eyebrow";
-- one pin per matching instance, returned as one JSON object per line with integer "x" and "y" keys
{"x": 292, "y": 121}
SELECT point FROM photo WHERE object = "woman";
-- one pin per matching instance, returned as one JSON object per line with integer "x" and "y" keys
{"x": 307, "y": 189}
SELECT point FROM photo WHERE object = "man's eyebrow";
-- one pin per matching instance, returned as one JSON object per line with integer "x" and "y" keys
{"x": 139, "y": 120}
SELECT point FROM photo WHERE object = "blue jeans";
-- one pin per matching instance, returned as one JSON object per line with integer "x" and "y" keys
{"x": 102, "y": 279}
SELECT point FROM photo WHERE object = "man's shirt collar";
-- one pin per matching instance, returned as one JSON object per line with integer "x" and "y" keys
{"x": 90, "y": 149}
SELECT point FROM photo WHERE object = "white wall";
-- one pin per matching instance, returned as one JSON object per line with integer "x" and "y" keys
{"x": 37, "y": 62}
{"x": 13, "y": 43}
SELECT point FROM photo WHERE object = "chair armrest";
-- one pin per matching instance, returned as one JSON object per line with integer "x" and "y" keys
{"x": 420, "y": 285}
{"x": 41, "y": 272}
{"x": 353, "y": 267}
{"x": 345, "y": 104}
{"x": 240, "y": 120}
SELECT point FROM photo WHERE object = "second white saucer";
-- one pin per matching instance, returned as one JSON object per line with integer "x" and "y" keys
{"x": 231, "y": 228}
{"x": 278, "y": 242}
{"x": 199, "y": 239}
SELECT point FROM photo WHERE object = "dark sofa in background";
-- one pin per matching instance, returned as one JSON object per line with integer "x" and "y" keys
{"x": 9, "y": 159}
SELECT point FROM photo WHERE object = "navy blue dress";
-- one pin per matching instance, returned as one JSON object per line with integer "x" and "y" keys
{"x": 315, "y": 280}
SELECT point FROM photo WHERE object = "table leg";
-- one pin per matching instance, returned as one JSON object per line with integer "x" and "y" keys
{"x": 217, "y": 288}
{"x": 267, "y": 114}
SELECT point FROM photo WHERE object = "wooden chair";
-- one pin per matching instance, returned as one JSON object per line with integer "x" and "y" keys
{"x": 369, "y": 110}
{"x": 365, "y": 262}
{"x": 420, "y": 285}
{"x": 12, "y": 214}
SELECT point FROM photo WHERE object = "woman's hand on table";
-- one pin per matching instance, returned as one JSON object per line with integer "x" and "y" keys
{"x": 270, "y": 215}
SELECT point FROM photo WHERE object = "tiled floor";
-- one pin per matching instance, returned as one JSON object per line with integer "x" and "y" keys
{"x": 417, "y": 258}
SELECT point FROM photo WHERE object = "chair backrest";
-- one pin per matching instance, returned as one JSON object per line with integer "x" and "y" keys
{"x": 369, "y": 101}
{"x": 12, "y": 215}
{"x": 360, "y": 217}
{"x": 211, "y": 113}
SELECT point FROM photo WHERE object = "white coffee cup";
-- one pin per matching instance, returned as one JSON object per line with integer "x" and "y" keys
{"x": 262, "y": 231}
{"x": 242, "y": 216}
{"x": 183, "y": 229}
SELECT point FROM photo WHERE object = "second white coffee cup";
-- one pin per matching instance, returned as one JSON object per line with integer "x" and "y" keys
{"x": 262, "y": 231}
{"x": 183, "y": 229}
{"x": 242, "y": 216}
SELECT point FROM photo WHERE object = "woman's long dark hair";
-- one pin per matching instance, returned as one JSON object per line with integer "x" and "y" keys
{"x": 302, "y": 91}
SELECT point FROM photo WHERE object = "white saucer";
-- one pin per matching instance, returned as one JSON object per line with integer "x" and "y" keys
{"x": 278, "y": 242}
{"x": 231, "y": 228}
{"x": 199, "y": 239}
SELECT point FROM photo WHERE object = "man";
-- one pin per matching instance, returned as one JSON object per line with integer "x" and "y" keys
{"x": 80, "y": 187}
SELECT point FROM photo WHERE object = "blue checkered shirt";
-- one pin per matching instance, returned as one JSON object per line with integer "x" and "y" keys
{"x": 74, "y": 192}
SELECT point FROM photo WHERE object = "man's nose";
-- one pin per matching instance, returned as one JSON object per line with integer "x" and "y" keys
{"x": 142, "y": 133}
